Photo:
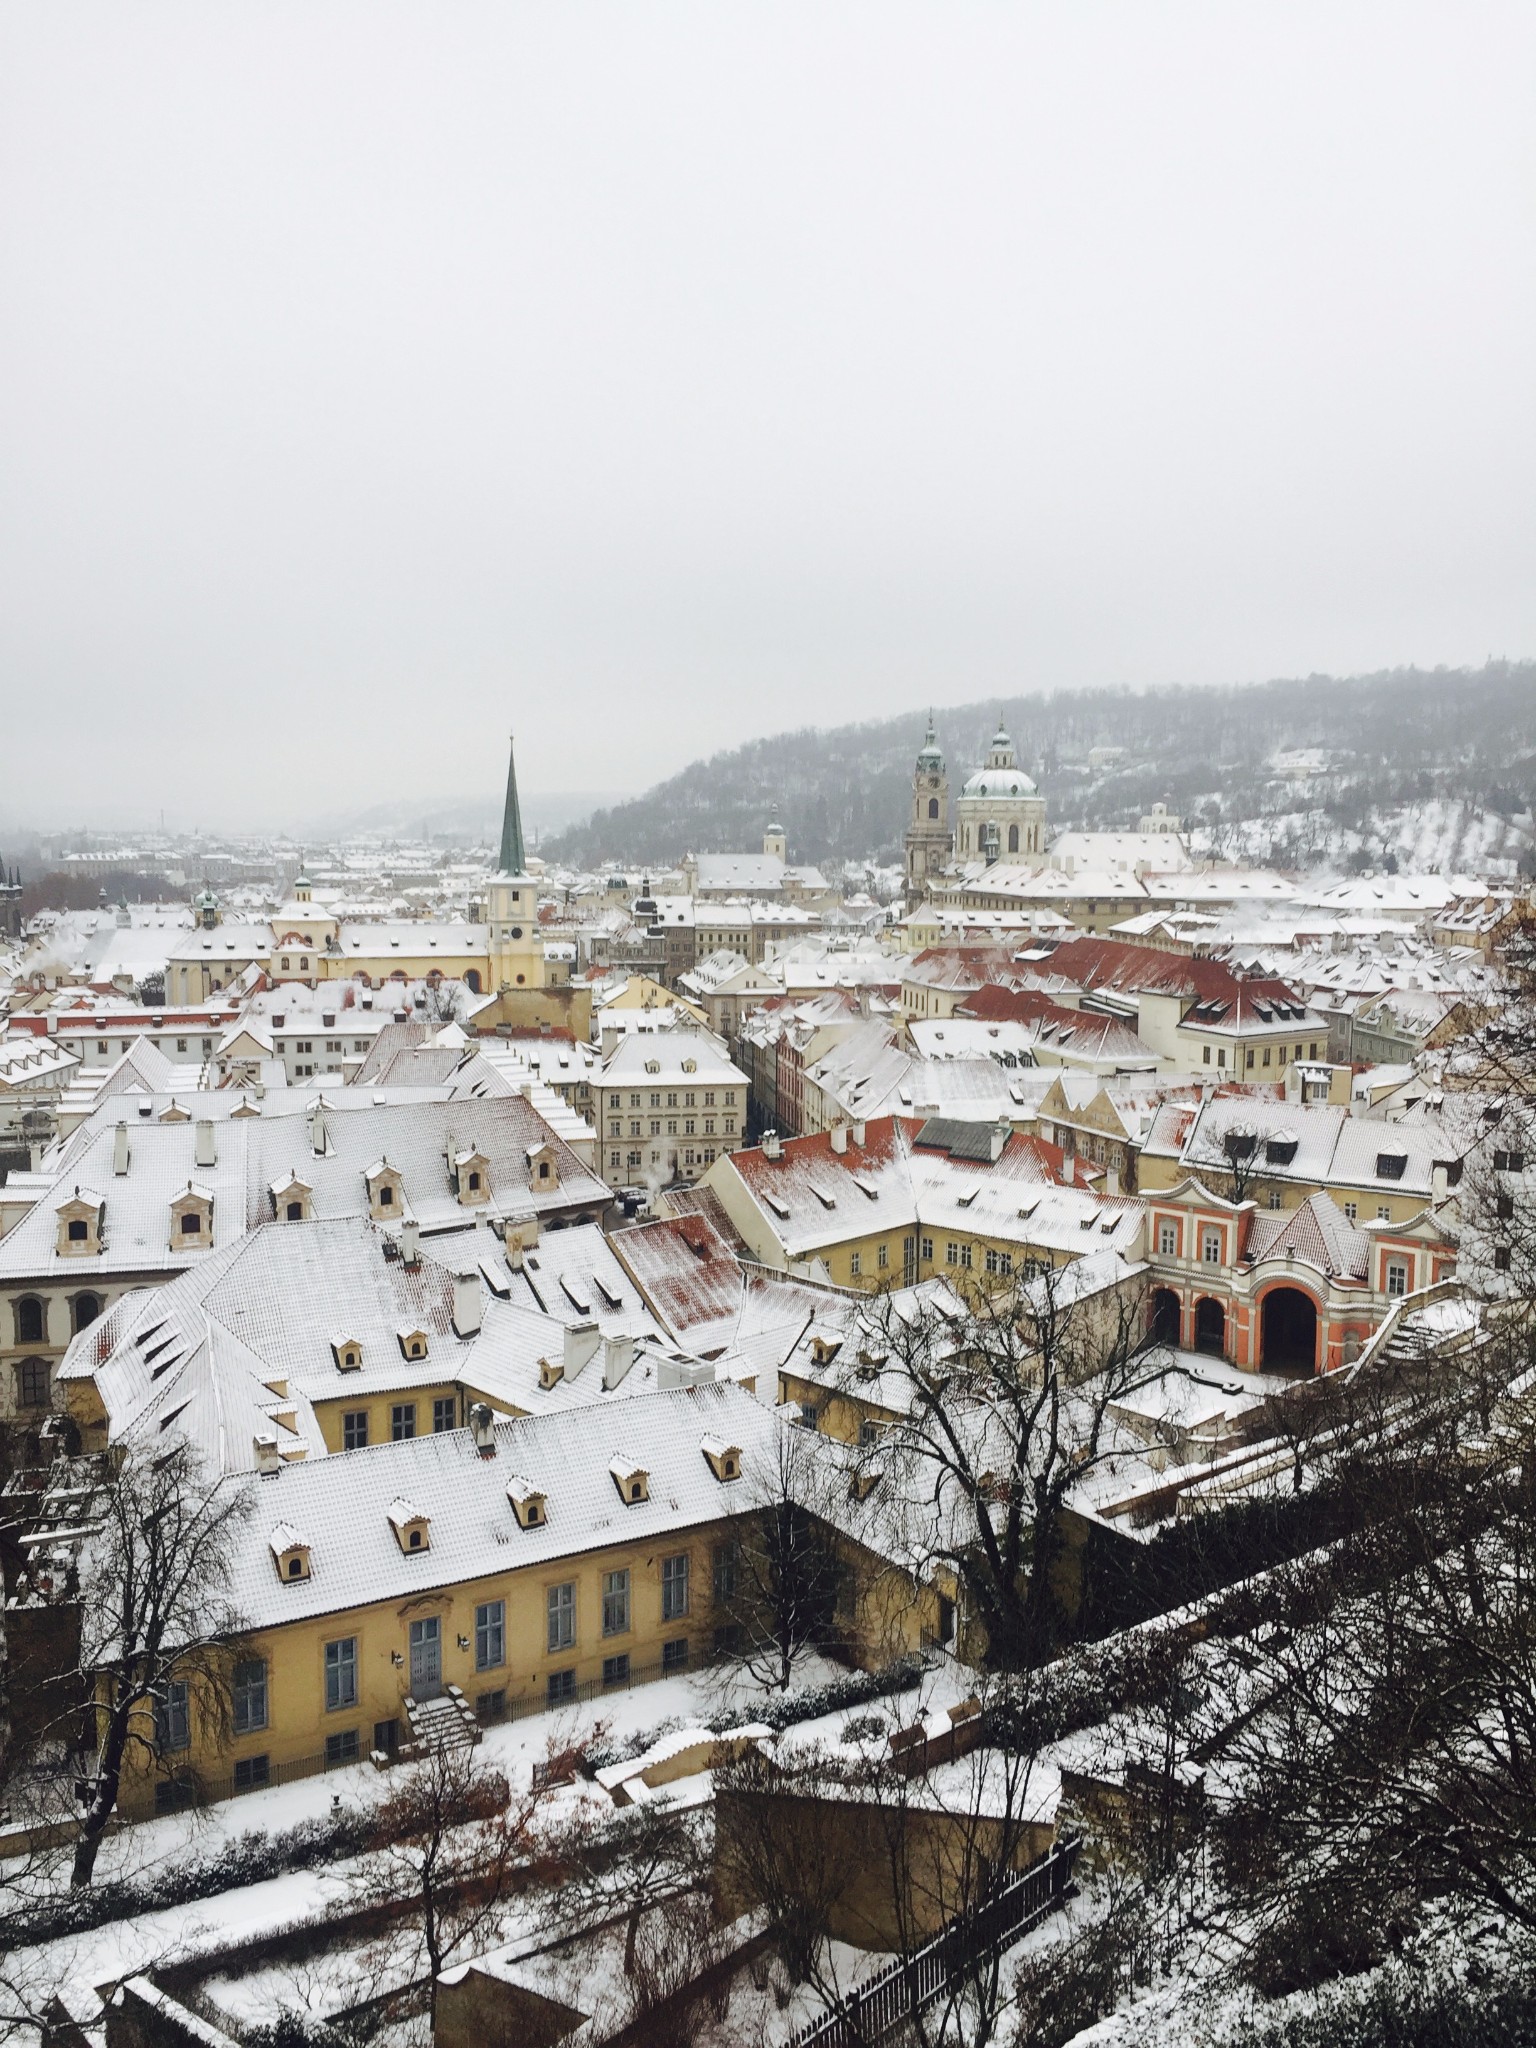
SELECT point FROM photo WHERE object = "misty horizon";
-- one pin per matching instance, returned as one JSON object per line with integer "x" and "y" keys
{"x": 378, "y": 381}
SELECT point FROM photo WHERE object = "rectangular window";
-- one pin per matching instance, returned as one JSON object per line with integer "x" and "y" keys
{"x": 1168, "y": 1240}
{"x": 965, "y": 1258}
{"x": 173, "y": 1715}
{"x": 491, "y": 1706}
{"x": 560, "y": 1687}
{"x": 883, "y": 1257}
{"x": 250, "y": 1690}
{"x": 386, "y": 1736}
{"x": 341, "y": 1748}
{"x": 252, "y": 1772}
{"x": 562, "y": 1617}
{"x": 855, "y": 1263}
{"x": 615, "y": 1603}
{"x": 927, "y": 1249}
{"x": 1249, "y": 1061}
{"x": 1351, "y": 1210}
{"x": 341, "y": 1674}
{"x": 1397, "y": 1276}
{"x": 402, "y": 1421}
{"x": 1383, "y": 1212}
{"x": 490, "y": 1634}
{"x": 674, "y": 1587}
{"x": 354, "y": 1429}
{"x": 724, "y": 1562}
{"x": 616, "y": 1669}
{"x": 445, "y": 1413}
{"x": 1266, "y": 1055}
{"x": 1503, "y": 1258}
{"x": 1205, "y": 1054}
{"x": 1210, "y": 1247}
{"x": 728, "y": 1639}
{"x": 674, "y": 1655}
{"x": 990, "y": 1261}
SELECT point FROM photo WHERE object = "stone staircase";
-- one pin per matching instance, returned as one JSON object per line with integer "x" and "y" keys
{"x": 446, "y": 1722}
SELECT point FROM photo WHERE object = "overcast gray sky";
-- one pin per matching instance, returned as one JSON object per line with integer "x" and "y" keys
{"x": 375, "y": 377}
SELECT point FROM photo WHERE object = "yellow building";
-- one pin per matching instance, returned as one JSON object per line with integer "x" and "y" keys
{"x": 893, "y": 1201}
{"x": 1278, "y": 1154}
{"x": 469, "y": 1575}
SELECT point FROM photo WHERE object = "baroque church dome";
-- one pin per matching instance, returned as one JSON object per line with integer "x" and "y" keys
{"x": 1002, "y": 776}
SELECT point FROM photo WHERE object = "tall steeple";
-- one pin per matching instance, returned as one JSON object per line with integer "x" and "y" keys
{"x": 514, "y": 860}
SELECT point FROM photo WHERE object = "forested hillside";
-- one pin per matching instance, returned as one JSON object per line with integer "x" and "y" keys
{"x": 1408, "y": 765}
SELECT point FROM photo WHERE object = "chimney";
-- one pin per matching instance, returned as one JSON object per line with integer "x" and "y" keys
{"x": 482, "y": 1423}
{"x": 840, "y": 1138}
{"x": 997, "y": 1140}
{"x": 317, "y": 1128}
{"x": 772, "y": 1149}
{"x": 1439, "y": 1180}
{"x": 581, "y": 1342}
{"x": 204, "y": 1152}
{"x": 120, "y": 1148}
{"x": 410, "y": 1242}
{"x": 859, "y": 1128}
{"x": 268, "y": 1463}
{"x": 618, "y": 1357}
{"x": 1112, "y": 1180}
{"x": 466, "y": 1304}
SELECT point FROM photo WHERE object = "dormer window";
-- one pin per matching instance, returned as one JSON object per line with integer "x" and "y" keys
{"x": 384, "y": 1190}
{"x": 413, "y": 1343}
{"x": 633, "y": 1481}
{"x": 290, "y": 1553}
{"x": 724, "y": 1459}
{"x": 529, "y": 1503}
{"x": 653, "y": 1066}
{"x": 290, "y": 1199}
{"x": 472, "y": 1176}
{"x": 348, "y": 1353}
{"x": 79, "y": 1225}
{"x": 192, "y": 1219}
{"x": 413, "y": 1529}
{"x": 543, "y": 1170}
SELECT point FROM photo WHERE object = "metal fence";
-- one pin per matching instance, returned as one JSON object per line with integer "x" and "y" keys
{"x": 903, "y": 1988}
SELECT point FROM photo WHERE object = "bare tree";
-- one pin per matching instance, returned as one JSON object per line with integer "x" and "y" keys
{"x": 449, "y": 1837}
{"x": 1004, "y": 1404}
{"x": 777, "y": 1584}
{"x": 774, "y": 1849}
{"x": 157, "y": 1622}
{"x": 1241, "y": 1148}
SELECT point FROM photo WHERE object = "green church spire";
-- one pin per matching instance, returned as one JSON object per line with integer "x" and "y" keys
{"x": 513, "y": 859}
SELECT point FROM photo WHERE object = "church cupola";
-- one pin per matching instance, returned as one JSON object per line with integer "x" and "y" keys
{"x": 774, "y": 842}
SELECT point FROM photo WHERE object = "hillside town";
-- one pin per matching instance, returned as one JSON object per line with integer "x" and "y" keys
{"x": 749, "y": 1453}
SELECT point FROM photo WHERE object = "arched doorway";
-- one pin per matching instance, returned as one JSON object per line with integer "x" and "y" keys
{"x": 1210, "y": 1327}
{"x": 1289, "y": 1331}
{"x": 1165, "y": 1316}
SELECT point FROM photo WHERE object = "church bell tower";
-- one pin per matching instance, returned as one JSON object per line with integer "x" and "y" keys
{"x": 929, "y": 840}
